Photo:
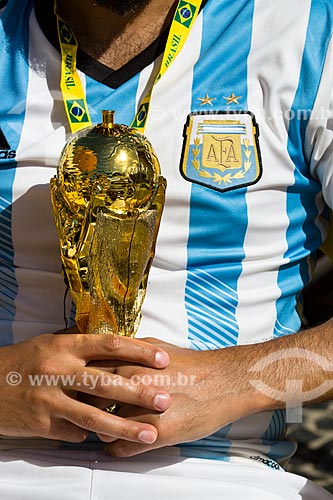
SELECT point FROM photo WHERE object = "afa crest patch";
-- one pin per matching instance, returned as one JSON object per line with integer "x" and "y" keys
{"x": 221, "y": 150}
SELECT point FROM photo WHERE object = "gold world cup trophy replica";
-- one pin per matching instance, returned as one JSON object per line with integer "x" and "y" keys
{"x": 108, "y": 198}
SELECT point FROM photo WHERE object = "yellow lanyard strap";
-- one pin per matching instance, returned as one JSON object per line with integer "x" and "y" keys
{"x": 76, "y": 106}
{"x": 71, "y": 87}
{"x": 181, "y": 26}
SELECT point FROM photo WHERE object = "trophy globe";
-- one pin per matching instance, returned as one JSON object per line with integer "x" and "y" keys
{"x": 108, "y": 197}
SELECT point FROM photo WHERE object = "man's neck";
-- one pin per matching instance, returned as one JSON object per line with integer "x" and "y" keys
{"x": 113, "y": 39}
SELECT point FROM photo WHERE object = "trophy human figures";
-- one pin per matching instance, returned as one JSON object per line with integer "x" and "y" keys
{"x": 108, "y": 198}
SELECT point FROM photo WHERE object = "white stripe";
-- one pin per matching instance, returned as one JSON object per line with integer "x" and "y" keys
{"x": 265, "y": 239}
{"x": 164, "y": 309}
{"x": 40, "y": 284}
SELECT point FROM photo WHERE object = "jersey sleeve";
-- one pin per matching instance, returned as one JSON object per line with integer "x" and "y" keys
{"x": 318, "y": 144}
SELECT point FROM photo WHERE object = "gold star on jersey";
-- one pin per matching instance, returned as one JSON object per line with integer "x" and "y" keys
{"x": 206, "y": 100}
{"x": 232, "y": 99}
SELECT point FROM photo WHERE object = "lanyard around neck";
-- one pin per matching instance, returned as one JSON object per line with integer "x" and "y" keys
{"x": 73, "y": 93}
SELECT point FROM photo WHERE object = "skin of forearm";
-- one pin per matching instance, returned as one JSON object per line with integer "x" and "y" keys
{"x": 296, "y": 368}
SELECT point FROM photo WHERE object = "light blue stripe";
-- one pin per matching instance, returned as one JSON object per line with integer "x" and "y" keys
{"x": 14, "y": 79}
{"x": 303, "y": 237}
{"x": 207, "y": 304}
{"x": 206, "y": 335}
{"x": 215, "y": 253}
{"x": 212, "y": 247}
{"x": 222, "y": 321}
{"x": 201, "y": 313}
{"x": 206, "y": 312}
{"x": 215, "y": 291}
{"x": 204, "y": 316}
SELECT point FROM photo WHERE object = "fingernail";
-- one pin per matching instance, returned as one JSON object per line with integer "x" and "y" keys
{"x": 162, "y": 358}
{"x": 147, "y": 437}
{"x": 162, "y": 401}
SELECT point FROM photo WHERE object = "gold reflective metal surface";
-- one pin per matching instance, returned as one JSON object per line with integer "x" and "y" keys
{"x": 108, "y": 198}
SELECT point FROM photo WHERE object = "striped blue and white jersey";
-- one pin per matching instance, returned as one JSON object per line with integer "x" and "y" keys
{"x": 242, "y": 125}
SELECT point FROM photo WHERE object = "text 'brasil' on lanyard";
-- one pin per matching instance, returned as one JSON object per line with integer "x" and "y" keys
{"x": 74, "y": 97}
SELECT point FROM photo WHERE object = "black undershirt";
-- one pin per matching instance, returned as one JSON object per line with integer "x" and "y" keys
{"x": 44, "y": 10}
